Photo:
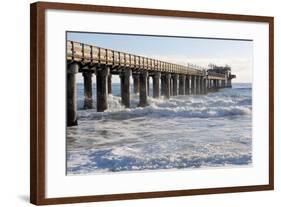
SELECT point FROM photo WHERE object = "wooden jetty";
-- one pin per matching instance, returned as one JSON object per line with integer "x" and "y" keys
{"x": 169, "y": 79}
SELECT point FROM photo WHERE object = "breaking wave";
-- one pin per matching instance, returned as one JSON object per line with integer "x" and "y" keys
{"x": 181, "y": 106}
{"x": 194, "y": 131}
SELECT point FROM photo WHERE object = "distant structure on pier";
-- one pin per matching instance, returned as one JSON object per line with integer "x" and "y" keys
{"x": 226, "y": 70}
{"x": 169, "y": 79}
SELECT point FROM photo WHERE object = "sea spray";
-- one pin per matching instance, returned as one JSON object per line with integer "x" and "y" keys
{"x": 192, "y": 131}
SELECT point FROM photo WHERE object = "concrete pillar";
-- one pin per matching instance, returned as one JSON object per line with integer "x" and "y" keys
{"x": 216, "y": 85}
{"x": 171, "y": 87}
{"x": 162, "y": 84}
{"x": 204, "y": 85}
{"x": 156, "y": 85}
{"x": 148, "y": 86}
{"x": 143, "y": 88}
{"x": 109, "y": 84}
{"x": 198, "y": 83}
{"x": 88, "y": 99}
{"x": 187, "y": 85}
{"x": 166, "y": 84}
{"x": 136, "y": 81}
{"x": 193, "y": 84}
{"x": 72, "y": 69}
{"x": 175, "y": 84}
{"x": 182, "y": 83}
{"x": 125, "y": 87}
{"x": 102, "y": 90}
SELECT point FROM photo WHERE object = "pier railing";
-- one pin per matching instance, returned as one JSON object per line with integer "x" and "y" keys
{"x": 91, "y": 54}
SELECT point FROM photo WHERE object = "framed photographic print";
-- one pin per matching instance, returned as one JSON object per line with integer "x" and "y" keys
{"x": 130, "y": 103}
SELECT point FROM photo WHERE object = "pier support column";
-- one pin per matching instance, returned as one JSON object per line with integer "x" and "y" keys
{"x": 166, "y": 84}
{"x": 102, "y": 90}
{"x": 175, "y": 84}
{"x": 216, "y": 83}
{"x": 198, "y": 85}
{"x": 109, "y": 84}
{"x": 193, "y": 84}
{"x": 88, "y": 99}
{"x": 125, "y": 87}
{"x": 202, "y": 85}
{"x": 72, "y": 69}
{"x": 182, "y": 79}
{"x": 171, "y": 86}
{"x": 205, "y": 86}
{"x": 162, "y": 84}
{"x": 148, "y": 86}
{"x": 136, "y": 80}
{"x": 156, "y": 85}
{"x": 187, "y": 85}
{"x": 143, "y": 88}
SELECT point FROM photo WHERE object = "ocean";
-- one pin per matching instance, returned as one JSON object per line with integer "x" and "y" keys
{"x": 184, "y": 132}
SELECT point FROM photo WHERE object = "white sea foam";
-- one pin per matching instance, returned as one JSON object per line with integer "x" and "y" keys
{"x": 183, "y": 132}
{"x": 200, "y": 107}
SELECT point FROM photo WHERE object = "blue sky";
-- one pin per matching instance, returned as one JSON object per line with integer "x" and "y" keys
{"x": 236, "y": 53}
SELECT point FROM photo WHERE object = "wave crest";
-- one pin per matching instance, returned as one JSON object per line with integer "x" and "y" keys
{"x": 195, "y": 107}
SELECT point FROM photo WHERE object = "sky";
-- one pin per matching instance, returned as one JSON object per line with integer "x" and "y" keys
{"x": 180, "y": 50}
